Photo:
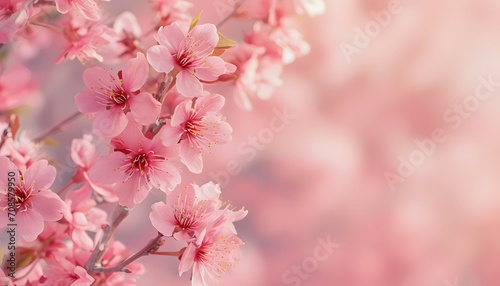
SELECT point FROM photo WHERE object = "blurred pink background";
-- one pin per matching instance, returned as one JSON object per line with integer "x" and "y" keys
{"x": 323, "y": 176}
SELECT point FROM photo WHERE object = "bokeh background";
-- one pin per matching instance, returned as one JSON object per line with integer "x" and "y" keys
{"x": 322, "y": 177}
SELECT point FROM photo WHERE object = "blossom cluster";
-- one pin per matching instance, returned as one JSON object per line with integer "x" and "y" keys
{"x": 156, "y": 116}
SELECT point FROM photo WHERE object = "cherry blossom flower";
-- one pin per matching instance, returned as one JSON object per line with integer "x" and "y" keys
{"x": 280, "y": 39}
{"x": 67, "y": 273}
{"x": 196, "y": 126}
{"x": 14, "y": 15}
{"x": 84, "y": 154}
{"x": 136, "y": 165}
{"x": 87, "y": 8}
{"x": 113, "y": 97}
{"x": 187, "y": 211}
{"x": 114, "y": 255}
{"x": 171, "y": 10}
{"x": 34, "y": 203}
{"x": 22, "y": 151}
{"x": 188, "y": 57}
{"x": 85, "y": 40}
{"x": 258, "y": 74}
{"x": 82, "y": 216}
{"x": 129, "y": 33}
{"x": 210, "y": 256}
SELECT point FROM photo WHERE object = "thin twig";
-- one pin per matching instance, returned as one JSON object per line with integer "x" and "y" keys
{"x": 57, "y": 127}
{"x": 151, "y": 247}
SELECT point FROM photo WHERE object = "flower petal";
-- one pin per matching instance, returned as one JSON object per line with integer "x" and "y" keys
{"x": 160, "y": 59}
{"x": 29, "y": 224}
{"x": 40, "y": 174}
{"x": 188, "y": 85}
{"x": 135, "y": 73}
{"x": 86, "y": 102}
{"x": 48, "y": 205}
{"x": 110, "y": 123}
{"x": 144, "y": 108}
{"x": 171, "y": 37}
{"x": 191, "y": 157}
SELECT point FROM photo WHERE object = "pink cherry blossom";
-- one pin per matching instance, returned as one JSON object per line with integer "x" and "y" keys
{"x": 87, "y": 8}
{"x": 129, "y": 33}
{"x": 171, "y": 10}
{"x": 84, "y": 154}
{"x": 22, "y": 151}
{"x": 116, "y": 253}
{"x": 196, "y": 126}
{"x": 85, "y": 39}
{"x": 188, "y": 57}
{"x": 82, "y": 216}
{"x": 136, "y": 165}
{"x": 210, "y": 256}
{"x": 14, "y": 15}
{"x": 34, "y": 203}
{"x": 258, "y": 74}
{"x": 111, "y": 98}
{"x": 187, "y": 211}
{"x": 280, "y": 39}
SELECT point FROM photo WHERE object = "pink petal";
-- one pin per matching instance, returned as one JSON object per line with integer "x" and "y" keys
{"x": 162, "y": 218}
{"x": 210, "y": 104}
{"x": 48, "y": 205}
{"x": 127, "y": 22}
{"x": 182, "y": 113}
{"x": 81, "y": 238}
{"x": 212, "y": 68}
{"x": 132, "y": 191}
{"x": 170, "y": 135}
{"x": 198, "y": 277}
{"x": 106, "y": 169}
{"x": 160, "y": 59}
{"x": 29, "y": 224}
{"x": 110, "y": 123}
{"x": 62, "y": 6}
{"x": 107, "y": 192}
{"x": 132, "y": 137}
{"x": 144, "y": 108}
{"x": 41, "y": 174}
{"x": 167, "y": 176}
{"x": 207, "y": 32}
{"x": 191, "y": 157}
{"x": 187, "y": 259}
{"x": 86, "y": 102}
{"x": 7, "y": 166}
{"x": 135, "y": 73}
{"x": 171, "y": 37}
{"x": 90, "y": 10}
{"x": 99, "y": 80}
{"x": 188, "y": 85}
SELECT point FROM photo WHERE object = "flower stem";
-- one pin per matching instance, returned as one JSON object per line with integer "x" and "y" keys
{"x": 167, "y": 253}
{"x": 57, "y": 127}
{"x": 150, "y": 248}
{"x": 120, "y": 213}
{"x": 63, "y": 189}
